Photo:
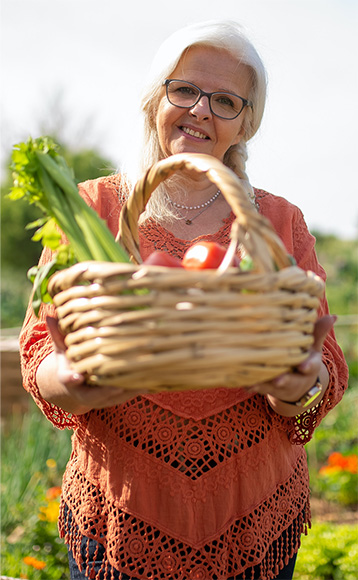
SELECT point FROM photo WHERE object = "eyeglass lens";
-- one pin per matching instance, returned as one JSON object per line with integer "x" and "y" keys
{"x": 186, "y": 95}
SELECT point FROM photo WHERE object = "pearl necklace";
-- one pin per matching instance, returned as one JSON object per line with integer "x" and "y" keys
{"x": 187, "y": 207}
{"x": 203, "y": 207}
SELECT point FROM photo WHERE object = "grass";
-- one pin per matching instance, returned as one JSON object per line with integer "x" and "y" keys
{"x": 328, "y": 553}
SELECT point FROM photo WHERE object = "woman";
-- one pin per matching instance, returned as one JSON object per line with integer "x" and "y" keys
{"x": 209, "y": 484}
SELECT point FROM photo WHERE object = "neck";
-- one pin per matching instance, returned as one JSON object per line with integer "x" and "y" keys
{"x": 190, "y": 191}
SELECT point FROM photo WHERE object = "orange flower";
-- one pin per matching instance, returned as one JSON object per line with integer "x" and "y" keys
{"x": 347, "y": 462}
{"x": 53, "y": 492}
{"x": 337, "y": 459}
{"x": 34, "y": 562}
{"x": 352, "y": 463}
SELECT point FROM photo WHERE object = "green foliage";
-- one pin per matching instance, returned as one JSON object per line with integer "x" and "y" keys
{"x": 337, "y": 434}
{"x": 338, "y": 430}
{"x": 15, "y": 294}
{"x": 17, "y": 249}
{"x": 338, "y": 485}
{"x": 33, "y": 439}
{"x": 38, "y": 553}
{"x": 340, "y": 260}
{"x": 328, "y": 553}
{"x": 33, "y": 456}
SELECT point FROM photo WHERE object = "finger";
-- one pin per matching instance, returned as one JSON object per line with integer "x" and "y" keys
{"x": 322, "y": 327}
{"x": 311, "y": 365}
{"x": 56, "y": 335}
{"x": 65, "y": 373}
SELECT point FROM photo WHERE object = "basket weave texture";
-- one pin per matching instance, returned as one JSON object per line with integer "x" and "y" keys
{"x": 140, "y": 326}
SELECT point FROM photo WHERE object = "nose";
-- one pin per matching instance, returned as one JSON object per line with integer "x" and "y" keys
{"x": 201, "y": 110}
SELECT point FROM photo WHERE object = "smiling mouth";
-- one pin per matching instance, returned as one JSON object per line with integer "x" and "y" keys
{"x": 194, "y": 133}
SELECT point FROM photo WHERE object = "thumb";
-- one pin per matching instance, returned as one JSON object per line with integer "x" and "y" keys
{"x": 56, "y": 335}
{"x": 322, "y": 327}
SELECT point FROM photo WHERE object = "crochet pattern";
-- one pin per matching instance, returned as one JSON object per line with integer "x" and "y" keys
{"x": 204, "y": 467}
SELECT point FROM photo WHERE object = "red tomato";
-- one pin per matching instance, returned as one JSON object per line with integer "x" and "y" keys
{"x": 158, "y": 258}
{"x": 204, "y": 255}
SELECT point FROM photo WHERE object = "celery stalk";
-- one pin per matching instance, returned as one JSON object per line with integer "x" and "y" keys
{"x": 63, "y": 218}
{"x": 42, "y": 177}
{"x": 97, "y": 235}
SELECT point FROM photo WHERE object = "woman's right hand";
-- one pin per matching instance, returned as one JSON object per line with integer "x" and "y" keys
{"x": 59, "y": 384}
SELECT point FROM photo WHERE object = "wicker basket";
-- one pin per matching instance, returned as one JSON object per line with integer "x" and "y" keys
{"x": 156, "y": 328}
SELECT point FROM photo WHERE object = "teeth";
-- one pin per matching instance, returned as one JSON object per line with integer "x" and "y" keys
{"x": 194, "y": 133}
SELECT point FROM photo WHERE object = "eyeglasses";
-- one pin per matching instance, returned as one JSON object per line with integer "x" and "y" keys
{"x": 186, "y": 95}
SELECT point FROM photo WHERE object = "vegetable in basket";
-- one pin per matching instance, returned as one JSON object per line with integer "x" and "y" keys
{"x": 205, "y": 255}
{"x": 42, "y": 176}
{"x": 160, "y": 258}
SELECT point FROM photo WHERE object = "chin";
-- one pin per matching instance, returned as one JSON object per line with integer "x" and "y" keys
{"x": 191, "y": 148}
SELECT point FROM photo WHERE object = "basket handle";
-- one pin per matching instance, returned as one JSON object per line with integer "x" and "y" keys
{"x": 250, "y": 229}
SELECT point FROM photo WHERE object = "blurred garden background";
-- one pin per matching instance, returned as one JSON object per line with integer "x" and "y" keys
{"x": 305, "y": 151}
{"x": 34, "y": 454}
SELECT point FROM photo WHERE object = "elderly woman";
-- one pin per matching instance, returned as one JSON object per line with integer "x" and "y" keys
{"x": 208, "y": 484}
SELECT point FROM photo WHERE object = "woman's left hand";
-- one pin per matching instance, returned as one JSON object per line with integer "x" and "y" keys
{"x": 292, "y": 386}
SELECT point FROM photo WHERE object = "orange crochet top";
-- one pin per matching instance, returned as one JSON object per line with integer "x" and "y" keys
{"x": 188, "y": 485}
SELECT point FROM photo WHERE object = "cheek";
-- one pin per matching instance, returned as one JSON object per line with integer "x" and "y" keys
{"x": 236, "y": 136}
{"x": 244, "y": 125}
{"x": 165, "y": 122}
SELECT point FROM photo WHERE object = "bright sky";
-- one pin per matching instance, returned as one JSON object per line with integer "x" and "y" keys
{"x": 93, "y": 52}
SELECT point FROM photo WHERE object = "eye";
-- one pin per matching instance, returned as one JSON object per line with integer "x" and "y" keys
{"x": 185, "y": 90}
{"x": 225, "y": 101}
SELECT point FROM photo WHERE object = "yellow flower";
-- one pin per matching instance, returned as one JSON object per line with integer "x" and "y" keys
{"x": 34, "y": 562}
{"x": 50, "y": 512}
{"x": 330, "y": 469}
{"x": 51, "y": 463}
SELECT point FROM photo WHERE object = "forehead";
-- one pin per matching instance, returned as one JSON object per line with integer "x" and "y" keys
{"x": 213, "y": 69}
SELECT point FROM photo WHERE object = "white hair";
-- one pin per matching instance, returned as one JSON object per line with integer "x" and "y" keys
{"x": 225, "y": 35}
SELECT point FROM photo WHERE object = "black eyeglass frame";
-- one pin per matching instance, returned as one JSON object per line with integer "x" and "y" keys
{"x": 245, "y": 102}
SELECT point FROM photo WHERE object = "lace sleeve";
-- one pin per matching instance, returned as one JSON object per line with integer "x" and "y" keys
{"x": 35, "y": 345}
{"x": 300, "y": 429}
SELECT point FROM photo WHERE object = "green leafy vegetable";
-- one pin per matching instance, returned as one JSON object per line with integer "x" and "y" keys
{"x": 43, "y": 178}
